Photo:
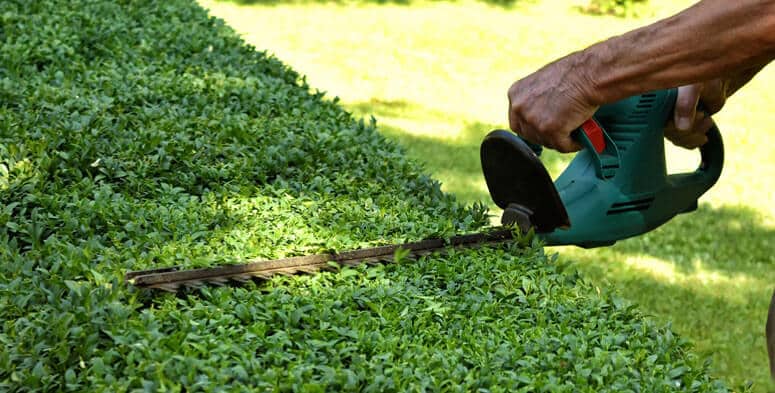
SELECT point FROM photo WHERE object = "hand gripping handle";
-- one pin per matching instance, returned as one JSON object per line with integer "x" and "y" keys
{"x": 711, "y": 164}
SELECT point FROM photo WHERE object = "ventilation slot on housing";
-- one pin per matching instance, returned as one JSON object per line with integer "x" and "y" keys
{"x": 623, "y": 142}
{"x": 631, "y": 206}
{"x": 644, "y": 106}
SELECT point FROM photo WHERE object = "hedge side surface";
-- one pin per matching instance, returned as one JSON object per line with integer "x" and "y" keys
{"x": 139, "y": 134}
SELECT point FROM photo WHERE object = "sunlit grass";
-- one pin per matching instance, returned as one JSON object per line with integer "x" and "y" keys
{"x": 435, "y": 75}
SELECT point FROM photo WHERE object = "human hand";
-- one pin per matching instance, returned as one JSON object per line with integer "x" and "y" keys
{"x": 689, "y": 126}
{"x": 548, "y": 105}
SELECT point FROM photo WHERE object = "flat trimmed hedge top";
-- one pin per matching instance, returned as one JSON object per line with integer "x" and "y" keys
{"x": 137, "y": 134}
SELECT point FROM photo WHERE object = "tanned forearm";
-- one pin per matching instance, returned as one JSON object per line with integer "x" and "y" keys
{"x": 706, "y": 41}
{"x": 708, "y": 51}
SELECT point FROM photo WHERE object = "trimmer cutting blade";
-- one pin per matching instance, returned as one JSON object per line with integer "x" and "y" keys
{"x": 519, "y": 184}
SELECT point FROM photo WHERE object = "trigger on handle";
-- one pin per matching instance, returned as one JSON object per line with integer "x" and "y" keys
{"x": 601, "y": 148}
{"x": 594, "y": 133}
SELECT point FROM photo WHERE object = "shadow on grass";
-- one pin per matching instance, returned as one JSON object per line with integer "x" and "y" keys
{"x": 712, "y": 281}
{"x": 727, "y": 238}
{"x": 500, "y": 3}
{"x": 725, "y": 327}
{"x": 453, "y": 160}
{"x": 387, "y": 108}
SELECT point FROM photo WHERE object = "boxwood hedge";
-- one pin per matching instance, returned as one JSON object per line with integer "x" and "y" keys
{"x": 136, "y": 134}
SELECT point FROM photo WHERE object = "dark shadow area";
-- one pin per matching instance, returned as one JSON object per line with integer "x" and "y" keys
{"x": 618, "y": 8}
{"x": 456, "y": 162}
{"x": 727, "y": 239}
{"x": 379, "y": 107}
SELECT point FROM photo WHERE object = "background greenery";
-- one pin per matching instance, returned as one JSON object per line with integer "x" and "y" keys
{"x": 622, "y": 8}
{"x": 435, "y": 76}
{"x": 136, "y": 134}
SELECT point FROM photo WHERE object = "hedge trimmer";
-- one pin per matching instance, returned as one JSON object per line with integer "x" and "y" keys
{"x": 616, "y": 187}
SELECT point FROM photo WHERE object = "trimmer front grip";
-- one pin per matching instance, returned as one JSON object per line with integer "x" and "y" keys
{"x": 709, "y": 171}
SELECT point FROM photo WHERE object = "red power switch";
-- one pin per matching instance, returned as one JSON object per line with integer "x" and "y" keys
{"x": 595, "y": 134}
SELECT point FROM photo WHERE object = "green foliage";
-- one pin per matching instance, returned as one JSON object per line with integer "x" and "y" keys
{"x": 136, "y": 134}
{"x": 621, "y": 8}
{"x": 500, "y": 3}
{"x": 714, "y": 296}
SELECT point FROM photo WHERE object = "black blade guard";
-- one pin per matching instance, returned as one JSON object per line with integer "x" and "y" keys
{"x": 518, "y": 182}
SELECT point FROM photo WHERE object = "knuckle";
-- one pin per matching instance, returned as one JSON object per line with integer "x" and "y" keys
{"x": 517, "y": 105}
{"x": 513, "y": 89}
{"x": 560, "y": 144}
{"x": 714, "y": 106}
{"x": 551, "y": 125}
{"x": 565, "y": 148}
{"x": 718, "y": 86}
{"x": 687, "y": 98}
{"x": 533, "y": 121}
{"x": 714, "y": 100}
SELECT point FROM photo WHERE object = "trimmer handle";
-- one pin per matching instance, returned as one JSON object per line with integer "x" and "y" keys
{"x": 711, "y": 160}
{"x": 711, "y": 164}
{"x": 631, "y": 112}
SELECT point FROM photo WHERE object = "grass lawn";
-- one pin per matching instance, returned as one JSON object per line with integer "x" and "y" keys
{"x": 435, "y": 76}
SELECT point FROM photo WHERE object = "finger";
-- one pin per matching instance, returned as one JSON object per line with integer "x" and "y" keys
{"x": 705, "y": 125}
{"x": 690, "y": 141}
{"x": 678, "y": 138}
{"x": 513, "y": 123}
{"x": 696, "y": 137}
{"x": 686, "y": 106}
{"x": 532, "y": 137}
{"x": 672, "y": 135}
{"x": 694, "y": 141}
{"x": 671, "y": 132}
{"x": 564, "y": 143}
{"x": 713, "y": 95}
{"x": 512, "y": 111}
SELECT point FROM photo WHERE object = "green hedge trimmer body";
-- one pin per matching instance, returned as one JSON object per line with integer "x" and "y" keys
{"x": 616, "y": 187}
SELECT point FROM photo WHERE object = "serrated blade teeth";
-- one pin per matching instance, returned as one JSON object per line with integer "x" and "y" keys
{"x": 172, "y": 287}
{"x": 175, "y": 278}
{"x": 262, "y": 275}
{"x": 219, "y": 281}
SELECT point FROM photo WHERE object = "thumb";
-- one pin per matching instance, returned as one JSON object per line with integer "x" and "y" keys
{"x": 686, "y": 106}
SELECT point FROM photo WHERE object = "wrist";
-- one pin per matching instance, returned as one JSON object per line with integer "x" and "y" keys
{"x": 588, "y": 69}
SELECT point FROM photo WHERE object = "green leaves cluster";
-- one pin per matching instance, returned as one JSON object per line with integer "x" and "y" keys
{"x": 137, "y": 134}
{"x": 621, "y": 8}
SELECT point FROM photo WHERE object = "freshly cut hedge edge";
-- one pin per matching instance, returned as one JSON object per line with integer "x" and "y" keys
{"x": 137, "y": 134}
